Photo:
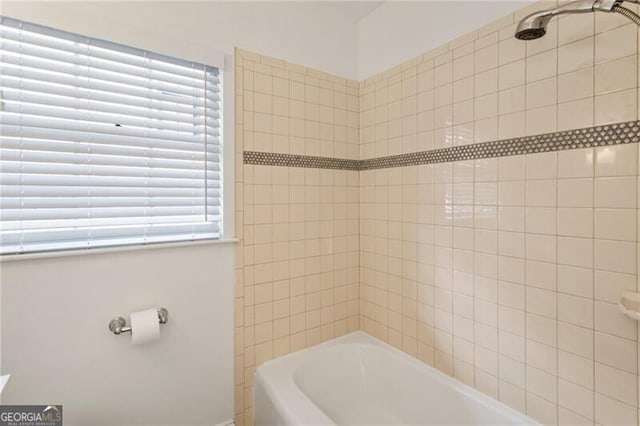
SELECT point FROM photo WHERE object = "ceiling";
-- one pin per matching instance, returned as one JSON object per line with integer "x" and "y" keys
{"x": 356, "y": 10}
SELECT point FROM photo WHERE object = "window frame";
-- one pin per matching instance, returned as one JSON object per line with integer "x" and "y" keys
{"x": 205, "y": 55}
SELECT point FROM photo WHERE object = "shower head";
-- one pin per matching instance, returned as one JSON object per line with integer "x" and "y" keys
{"x": 531, "y": 33}
{"x": 534, "y": 25}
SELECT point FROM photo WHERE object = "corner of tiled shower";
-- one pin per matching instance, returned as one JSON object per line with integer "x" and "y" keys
{"x": 297, "y": 267}
{"x": 503, "y": 272}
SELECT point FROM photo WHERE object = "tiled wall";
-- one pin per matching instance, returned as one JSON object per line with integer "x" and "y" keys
{"x": 297, "y": 262}
{"x": 505, "y": 272}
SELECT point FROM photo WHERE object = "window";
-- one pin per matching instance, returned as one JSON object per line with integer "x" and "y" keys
{"x": 103, "y": 144}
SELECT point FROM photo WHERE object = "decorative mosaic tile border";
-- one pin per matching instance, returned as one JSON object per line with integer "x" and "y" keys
{"x": 610, "y": 134}
{"x": 291, "y": 160}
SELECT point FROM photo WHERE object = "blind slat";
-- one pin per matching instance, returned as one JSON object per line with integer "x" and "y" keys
{"x": 24, "y": 99}
{"x": 78, "y": 157}
{"x": 34, "y": 226}
{"x": 98, "y": 170}
{"x": 99, "y": 212}
{"x": 35, "y": 191}
{"x": 103, "y": 145}
{"x": 79, "y": 126}
{"x": 67, "y": 234}
{"x": 52, "y": 202}
{"x": 13, "y": 144}
{"x": 63, "y": 82}
{"x": 111, "y": 236}
{"x": 63, "y": 135}
{"x": 71, "y": 180}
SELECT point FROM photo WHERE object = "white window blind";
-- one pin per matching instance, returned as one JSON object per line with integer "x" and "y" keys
{"x": 103, "y": 144}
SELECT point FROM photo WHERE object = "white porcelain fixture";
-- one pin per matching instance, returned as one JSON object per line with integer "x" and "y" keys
{"x": 357, "y": 379}
{"x": 3, "y": 381}
{"x": 630, "y": 304}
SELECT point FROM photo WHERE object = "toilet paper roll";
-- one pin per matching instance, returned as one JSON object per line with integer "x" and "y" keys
{"x": 145, "y": 326}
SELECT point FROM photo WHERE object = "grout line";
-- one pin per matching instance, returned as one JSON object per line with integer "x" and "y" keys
{"x": 557, "y": 372}
{"x": 526, "y": 113}
{"x": 498, "y": 277}
{"x": 593, "y": 225}
{"x": 450, "y": 127}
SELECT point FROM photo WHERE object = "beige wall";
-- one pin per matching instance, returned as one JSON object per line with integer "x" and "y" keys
{"x": 57, "y": 346}
{"x": 297, "y": 276}
{"x": 505, "y": 273}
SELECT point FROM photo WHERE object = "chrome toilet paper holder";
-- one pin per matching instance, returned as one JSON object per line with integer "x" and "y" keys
{"x": 119, "y": 325}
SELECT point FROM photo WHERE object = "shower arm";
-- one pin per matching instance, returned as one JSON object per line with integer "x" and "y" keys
{"x": 541, "y": 18}
{"x": 534, "y": 26}
{"x": 582, "y": 6}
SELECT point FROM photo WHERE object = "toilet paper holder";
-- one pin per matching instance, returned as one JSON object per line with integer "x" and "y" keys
{"x": 119, "y": 325}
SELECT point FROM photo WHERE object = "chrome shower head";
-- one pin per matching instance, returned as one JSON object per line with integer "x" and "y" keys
{"x": 530, "y": 33}
{"x": 534, "y": 25}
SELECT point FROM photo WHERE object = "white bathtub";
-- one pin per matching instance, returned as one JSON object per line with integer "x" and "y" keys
{"x": 357, "y": 379}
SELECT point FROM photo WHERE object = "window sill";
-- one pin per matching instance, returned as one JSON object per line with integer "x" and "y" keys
{"x": 136, "y": 247}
